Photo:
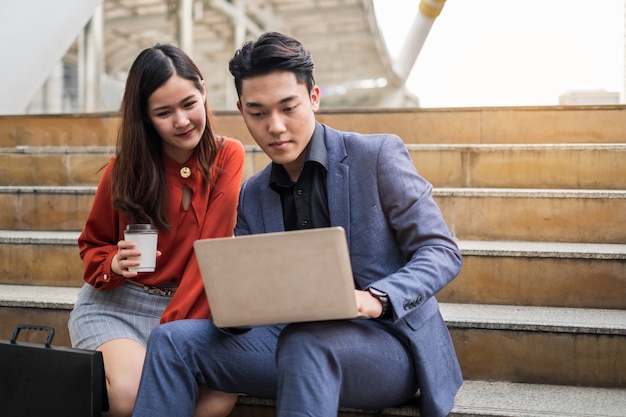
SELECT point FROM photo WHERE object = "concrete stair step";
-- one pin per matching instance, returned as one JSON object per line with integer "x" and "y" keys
{"x": 514, "y": 166}
{"x": 53, "y": 165}
{"x": 547, "y": 345}
{"x": 45, "y": 207}
{"x": 506, "y": 125}
{"x": 505, "y": 399}
{"x": 40, "y": 257}
{"x": 77, "y": 165}
{"x": 581, "y": 275}
{"x": 563, "y": 346}
{"x": 555, "y": 215}
{"x": 39, "y": 305}
{"x": 478, "y": 398}
{"x": 580, "y": 166}
{"x": 503, "y": 272}
{"x": 591, "y": 216}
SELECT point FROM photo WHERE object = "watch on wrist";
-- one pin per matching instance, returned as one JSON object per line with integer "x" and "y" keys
{"x": 382, "y": 297}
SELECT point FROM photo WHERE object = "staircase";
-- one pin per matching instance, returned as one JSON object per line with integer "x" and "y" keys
{"x": 535, "y": 196}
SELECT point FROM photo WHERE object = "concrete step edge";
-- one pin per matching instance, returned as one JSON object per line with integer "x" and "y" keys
{"x": 528, "y": 249}
{"x": 39, "y": 237}
{"x": 48, "y": 189}
{"x": 56, "y": 150}
{"x": 478, "y": 147}
{"x": 38, "y": 296}
{"x": 437, "y": 192}
{"x": 497, "y": 147}
{"x": 535, "y": 319}
{"x": 524, "y": 249}
{"x": 475, "y": 316}
{"x": 507, "y": 399}
{"x": 529, "y": 193}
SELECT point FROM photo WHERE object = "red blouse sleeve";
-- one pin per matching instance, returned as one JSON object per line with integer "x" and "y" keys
{"x": 189, "y": 301}
{"x": 98, "y": 241}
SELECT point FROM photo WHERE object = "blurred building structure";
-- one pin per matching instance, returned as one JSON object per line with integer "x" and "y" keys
{"x": 73, "y": 55}
{"x": 589, "y": 97}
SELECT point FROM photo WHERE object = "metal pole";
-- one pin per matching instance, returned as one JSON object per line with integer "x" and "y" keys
{"x": 184, "y": 15}
{"x": 429, "y": 10}
{"x": 91, "y": 62}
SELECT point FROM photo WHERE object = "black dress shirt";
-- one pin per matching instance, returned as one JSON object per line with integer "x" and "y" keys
{"x": 305, "y": 202}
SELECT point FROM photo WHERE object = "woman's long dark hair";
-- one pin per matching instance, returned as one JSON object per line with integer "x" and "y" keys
{"x": 138, "y": 180}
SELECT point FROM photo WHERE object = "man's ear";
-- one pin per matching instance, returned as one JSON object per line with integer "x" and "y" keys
{"x": 315, "y": 98}
{"x": 239, "y": 107}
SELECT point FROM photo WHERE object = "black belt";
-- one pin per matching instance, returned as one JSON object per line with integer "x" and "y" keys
{"x": 164, "y": 292}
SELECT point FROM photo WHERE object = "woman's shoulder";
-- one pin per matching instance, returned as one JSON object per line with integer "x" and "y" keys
{"x": 107, "y": 169}
{"x": 229, "y": 144}
{"x": 106, "y": 173}
{"x": 231, "y": 152}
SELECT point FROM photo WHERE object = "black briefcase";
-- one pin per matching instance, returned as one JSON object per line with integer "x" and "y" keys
{"x": 44, "y": 381}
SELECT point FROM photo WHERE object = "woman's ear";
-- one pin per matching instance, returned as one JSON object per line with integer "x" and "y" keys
{"x": 203, "y": 91}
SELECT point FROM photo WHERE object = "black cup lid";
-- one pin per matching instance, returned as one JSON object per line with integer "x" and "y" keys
{"x": 140, "y": 228}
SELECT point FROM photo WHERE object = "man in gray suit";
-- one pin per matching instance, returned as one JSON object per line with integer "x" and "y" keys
{"x": 401, "y": 250}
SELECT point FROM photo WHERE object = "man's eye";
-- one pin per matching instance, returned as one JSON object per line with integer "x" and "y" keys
{"x": 290, "y": 108}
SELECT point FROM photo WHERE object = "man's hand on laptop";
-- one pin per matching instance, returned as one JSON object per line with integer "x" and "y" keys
{"x": 369, "y": 306}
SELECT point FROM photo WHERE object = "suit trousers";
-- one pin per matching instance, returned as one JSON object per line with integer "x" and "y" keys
{"x": 309, "y": 368}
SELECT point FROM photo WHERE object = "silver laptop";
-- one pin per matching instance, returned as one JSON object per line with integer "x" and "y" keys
{"x": 284, "y": 277}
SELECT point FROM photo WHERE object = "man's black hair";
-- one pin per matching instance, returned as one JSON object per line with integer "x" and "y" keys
{"x": 271, "y": 52}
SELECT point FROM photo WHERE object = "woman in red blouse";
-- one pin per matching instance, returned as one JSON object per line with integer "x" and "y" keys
{"x": 171, "y": 171}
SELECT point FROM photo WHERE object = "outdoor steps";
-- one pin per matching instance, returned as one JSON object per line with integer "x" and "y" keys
{"x": 477, "y": 397}
{"x": 492, "y": 399}
{"x": 554, "y": 274}
{"x": 552, "y": 166}
{"x": 549, "y": 345}
{"x": 535, "y": 196}
{"x": 472, "y": 213}
{"x": 490, "y": 125}
{"x": 583, "y": 275}
{"x": 565, "y": 165}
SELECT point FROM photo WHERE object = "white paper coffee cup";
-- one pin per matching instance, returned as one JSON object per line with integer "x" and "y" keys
{"x": 145, "y": 237}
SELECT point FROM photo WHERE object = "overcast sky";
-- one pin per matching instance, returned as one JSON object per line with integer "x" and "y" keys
{"x": 512, "y": 52}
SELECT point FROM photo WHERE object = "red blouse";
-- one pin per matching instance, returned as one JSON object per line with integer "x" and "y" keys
{"x": 206, "y": 217}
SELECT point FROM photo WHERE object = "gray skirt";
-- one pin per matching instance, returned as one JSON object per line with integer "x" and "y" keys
{"x": 123, "y": 312}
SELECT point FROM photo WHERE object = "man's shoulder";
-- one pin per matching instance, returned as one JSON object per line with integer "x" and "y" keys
{"x": 261, "y": 177}
{"x": 345, "y": 143}
{"x": 350, "y": 136}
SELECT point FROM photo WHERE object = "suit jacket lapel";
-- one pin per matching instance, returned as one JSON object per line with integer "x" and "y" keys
{"x": 338, "y": 181}
{"x": 271, "y": 207}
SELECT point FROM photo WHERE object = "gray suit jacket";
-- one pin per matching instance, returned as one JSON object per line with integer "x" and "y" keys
{"x": 398, "y": 240}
